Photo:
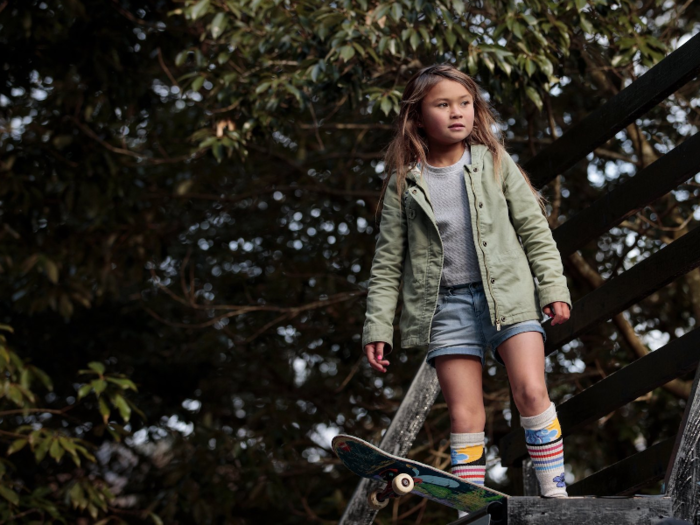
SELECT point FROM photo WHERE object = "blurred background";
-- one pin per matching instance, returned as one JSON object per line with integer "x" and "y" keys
{"x": 187, "y": 219}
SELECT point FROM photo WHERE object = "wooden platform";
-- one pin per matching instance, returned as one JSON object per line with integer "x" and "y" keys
{"x": 589, "y": 510}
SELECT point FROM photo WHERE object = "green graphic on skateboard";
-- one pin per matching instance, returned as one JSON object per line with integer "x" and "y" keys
{"x": 404, "y": 476}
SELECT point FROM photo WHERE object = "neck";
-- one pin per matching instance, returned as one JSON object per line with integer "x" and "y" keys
{"x": 441, "y": 155}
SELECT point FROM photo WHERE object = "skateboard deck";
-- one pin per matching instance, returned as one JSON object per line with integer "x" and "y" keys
{"x": 368, "y": 461}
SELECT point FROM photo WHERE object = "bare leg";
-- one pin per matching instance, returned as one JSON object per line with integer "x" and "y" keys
{"x": 523, "y": 355}
{"x": 460, "y": 381}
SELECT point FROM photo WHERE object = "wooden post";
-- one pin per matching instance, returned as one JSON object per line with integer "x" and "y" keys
{"x": 683, "y": 474}
{"x": 398, "y": 438}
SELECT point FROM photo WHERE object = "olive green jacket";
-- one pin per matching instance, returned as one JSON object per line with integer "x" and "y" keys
{"x": 409, "y": 249}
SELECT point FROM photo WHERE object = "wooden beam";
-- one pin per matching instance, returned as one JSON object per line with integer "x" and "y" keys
{"x": 645, "y": 187}
{"x": 587, "y": 511}
{"x": 398, "y": 439}
{"x": 624, "y": 108}
{"x": 657, "y": 368}
{"x": 626, "y": 289}
{"x": 628, "y": 475}
{"x": 683, "y": 481}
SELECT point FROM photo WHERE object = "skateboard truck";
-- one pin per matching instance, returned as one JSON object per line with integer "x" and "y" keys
{"x": 400, "y": 486}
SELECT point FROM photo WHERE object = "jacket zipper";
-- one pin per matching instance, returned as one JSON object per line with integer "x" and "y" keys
{"x": 478, "y": 233}
{"x": 442, "y": 261}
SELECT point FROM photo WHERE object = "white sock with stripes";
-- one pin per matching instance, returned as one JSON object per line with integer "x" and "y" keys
{"x": 468, "y": 458}
{"x": 545, "y": 445}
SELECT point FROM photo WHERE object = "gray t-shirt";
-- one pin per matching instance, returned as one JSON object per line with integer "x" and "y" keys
{"x": 448, "y": 195}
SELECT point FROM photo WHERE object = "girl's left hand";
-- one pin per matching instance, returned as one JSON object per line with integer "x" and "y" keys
{"x": 558, "y": 310}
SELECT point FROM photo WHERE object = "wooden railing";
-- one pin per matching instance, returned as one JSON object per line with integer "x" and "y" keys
{"x": 675, "y": 359}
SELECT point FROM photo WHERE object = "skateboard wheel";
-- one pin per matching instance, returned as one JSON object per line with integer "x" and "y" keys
{"x": 374, "y": 503}
{"x": 402, "y": 484}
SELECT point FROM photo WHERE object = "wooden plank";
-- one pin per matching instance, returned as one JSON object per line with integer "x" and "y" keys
{"x": 628, "y": 475}
{"x": 657, "y": 368}
{"x": 587, "y": 511}
{"x": 626, "y": 289}
{"x": 398, "y": 439}
{"x": 531, "y": 487}
{"x": 683, "y": 483}
{"x": 645, "y": 187}
{"x": 635, "y": 100}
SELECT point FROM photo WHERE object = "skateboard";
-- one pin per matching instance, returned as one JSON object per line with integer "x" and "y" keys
{"x": 404, "y": 476}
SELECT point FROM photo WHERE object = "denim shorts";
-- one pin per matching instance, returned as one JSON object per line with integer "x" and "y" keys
{"x": 461, "y": 325}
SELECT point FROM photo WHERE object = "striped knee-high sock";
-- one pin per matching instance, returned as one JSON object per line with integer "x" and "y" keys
{"x": 545, "y": 445}
{"x": 468, "y": 458}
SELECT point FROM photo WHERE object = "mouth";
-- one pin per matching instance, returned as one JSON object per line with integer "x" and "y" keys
{"x": 456, "y": 126}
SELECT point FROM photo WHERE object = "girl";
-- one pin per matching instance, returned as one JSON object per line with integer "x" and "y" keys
{"x": 454, "y": 212}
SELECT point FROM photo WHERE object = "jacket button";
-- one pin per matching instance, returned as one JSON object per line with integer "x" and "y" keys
{"x": 481, "y": 205}
{"x": 476, "y": 169}
{"x": 503, "y": 319}
{"x": 493, "y": 281}
{"x": 484, "y": 243}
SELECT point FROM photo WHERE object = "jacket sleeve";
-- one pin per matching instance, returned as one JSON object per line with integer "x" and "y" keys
{"x": 532, "y": 227}
{"x": 386, "y": 272}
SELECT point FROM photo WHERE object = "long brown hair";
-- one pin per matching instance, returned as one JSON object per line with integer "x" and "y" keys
{"x": 410, "y": 145}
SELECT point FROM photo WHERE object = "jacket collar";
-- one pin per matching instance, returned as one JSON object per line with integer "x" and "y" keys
{"x": 477, "y": 153}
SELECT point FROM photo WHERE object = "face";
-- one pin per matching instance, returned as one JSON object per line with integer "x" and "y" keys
{"x": 447, "y": 113}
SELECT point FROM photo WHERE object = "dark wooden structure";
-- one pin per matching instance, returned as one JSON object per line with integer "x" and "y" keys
{"x": 676, "y": 460}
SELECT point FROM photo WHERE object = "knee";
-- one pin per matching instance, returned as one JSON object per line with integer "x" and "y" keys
{"x": 466, "y": 418}
{"x": 531, "y": 399}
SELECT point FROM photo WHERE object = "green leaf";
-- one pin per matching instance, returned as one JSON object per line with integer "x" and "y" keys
{"x": 84, "y": 390}
{"x": 16, "y": 446}
{"x": 199, "y": 9}
{"x": 25, "y": 378}
{"x": 67, "y": 444}
{"x": 534, "y": 96}
{"x": 218, "y": 150}
{"x": 51, "y": 270}
{"x": 77, "y": 496}
{"x": 347, "y": 52}
{"x": 451, "y": 38}
{"x": 15, "y": 395}
{"x": 396, "y": 11}
{"x": 97, "y": 367}
{"x": 43, "y": 377}
{"x": 7, "y": 328}
{"x": 415, "y": 40}
{"x": 99, "y": 386}
{"x": 586, "y": 25}
{"x": 9, "y": 494}
{"x": 197, "y": 83}
{"x": 181, "y": 57}
{"x": 385, "y": 105}
{"x": 41, "y": 449}
{"x": 262, "y": 87}
{"x": 123, "y": 406}
{"x": 580, "y": 4}
{"x": 156, "y": 519}
{"x": 219, "y": 24}
{"x": 125, "y": 384}
{"x": 104, "y": 410}
{"x": 56, "y": 450}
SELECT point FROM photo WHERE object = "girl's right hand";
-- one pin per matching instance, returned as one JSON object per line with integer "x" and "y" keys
{"x": 375, "y": 355}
